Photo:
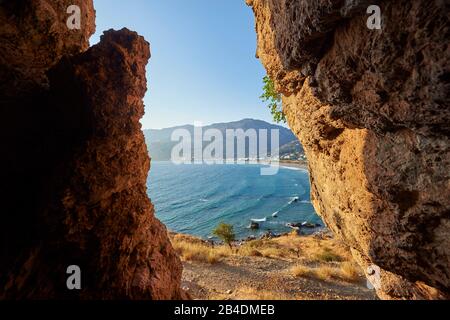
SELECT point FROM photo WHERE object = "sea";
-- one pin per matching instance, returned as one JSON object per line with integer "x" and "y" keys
{"x": 195, "y": 198}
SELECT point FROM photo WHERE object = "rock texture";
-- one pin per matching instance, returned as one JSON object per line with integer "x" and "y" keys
{"x": 371, "y": 108}
{"x": 75, "y": 162}
{"x": 34, "y": 37}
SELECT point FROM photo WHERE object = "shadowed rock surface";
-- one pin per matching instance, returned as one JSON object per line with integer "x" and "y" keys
{"x": 371, "y": 108}
{"x": 75, "y": 161}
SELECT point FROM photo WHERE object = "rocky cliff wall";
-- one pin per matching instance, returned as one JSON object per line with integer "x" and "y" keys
{"x": 75, "y": 161}
{"x": 371, "y": 108}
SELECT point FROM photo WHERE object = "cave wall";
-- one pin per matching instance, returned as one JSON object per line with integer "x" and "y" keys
{"x": 371, "y": 108}
{"x": 74, "y": 161}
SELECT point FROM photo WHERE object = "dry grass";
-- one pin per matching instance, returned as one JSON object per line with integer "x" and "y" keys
{"x": 301, "y": 271}
{"x": 346, "y": 271}
{"x": 249, "y": 251}
{"x": 266, "y": 248}
{"x": 323, "y": 259}
{"x": 326, "y": 273}
{"x": 312, "y": 249}
{"x": 328, "y": 255}
{"x": 193, "y": 249}
{"x": 350, "y": 271}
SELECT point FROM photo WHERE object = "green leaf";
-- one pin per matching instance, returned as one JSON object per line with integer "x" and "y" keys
{"x": 225, "y": 232}
{"x": 273, "y": 98}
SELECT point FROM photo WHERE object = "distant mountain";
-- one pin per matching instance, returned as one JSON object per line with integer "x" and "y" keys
{"x": 291, "y": 150}
{"x": 160, "y": 145}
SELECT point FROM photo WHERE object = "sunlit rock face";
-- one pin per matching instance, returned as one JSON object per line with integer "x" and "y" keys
{"x": 75, "y": 162}
{"x": 371, "y": 108}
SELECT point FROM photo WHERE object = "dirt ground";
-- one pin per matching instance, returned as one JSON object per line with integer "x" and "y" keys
{"x": 241, "y": 277}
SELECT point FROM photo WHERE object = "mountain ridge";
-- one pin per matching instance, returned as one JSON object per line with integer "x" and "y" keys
{"x": 160, "y": 145}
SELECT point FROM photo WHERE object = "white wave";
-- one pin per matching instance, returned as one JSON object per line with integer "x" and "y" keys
{"x": 259, "y": 220}
{"x": 276, "y": 223}
{"x": 275, "y": 214}
{"x": 292, "y": 168}
{"x": 204, "y": 200}
{"x": 291, "y": 226}
{"x": 294, "y": 199}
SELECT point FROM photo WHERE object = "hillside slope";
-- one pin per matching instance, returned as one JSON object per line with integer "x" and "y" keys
{"x": 160, "y": 145}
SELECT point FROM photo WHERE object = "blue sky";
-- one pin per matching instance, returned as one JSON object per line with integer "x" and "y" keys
{"x": 203, "y": 65}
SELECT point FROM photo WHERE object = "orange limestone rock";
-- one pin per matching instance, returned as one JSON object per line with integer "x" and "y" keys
{"x": 76, "y": 162}
{"x": 371, "y": 108}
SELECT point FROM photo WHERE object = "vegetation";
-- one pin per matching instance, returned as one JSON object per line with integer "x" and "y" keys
{"x": 301, "y": 271}
{"x": 194, "y": 249}
{"x": 328, "y": 255}
{"x": 348, "y": 272}
{"x": 271, "y": 96}
{"x": 309, "y": 258}
{"x": 226, "y": 233}
{"x": 308, "y": 265}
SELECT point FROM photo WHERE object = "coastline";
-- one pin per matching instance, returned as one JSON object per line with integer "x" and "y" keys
{"x": 317, "y": 231}
{"x": 291, "y": 206}
{"x": 301, "y": 164}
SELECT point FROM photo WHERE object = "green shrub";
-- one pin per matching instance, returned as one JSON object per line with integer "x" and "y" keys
{"x": 225, "y": 232}
{"x": 271, "y": 96}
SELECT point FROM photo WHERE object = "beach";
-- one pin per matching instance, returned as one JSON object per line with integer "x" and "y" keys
{"x": 301, "y": 164}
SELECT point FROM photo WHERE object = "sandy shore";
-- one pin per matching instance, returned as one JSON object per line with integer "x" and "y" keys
{"x": 294, "y": 164}
{"x": 287, "y": 163}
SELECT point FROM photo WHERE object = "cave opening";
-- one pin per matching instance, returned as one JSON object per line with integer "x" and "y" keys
{"x": 83, "y": 216}
{"x": 217, "y": 82}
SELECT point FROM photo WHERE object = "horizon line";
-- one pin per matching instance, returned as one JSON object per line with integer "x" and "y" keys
{"x": 284, "y": 125}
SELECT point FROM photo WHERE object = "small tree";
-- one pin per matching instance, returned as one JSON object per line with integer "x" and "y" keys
{"x": 225, "y": 232}
{"x": 274, "y": 98}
